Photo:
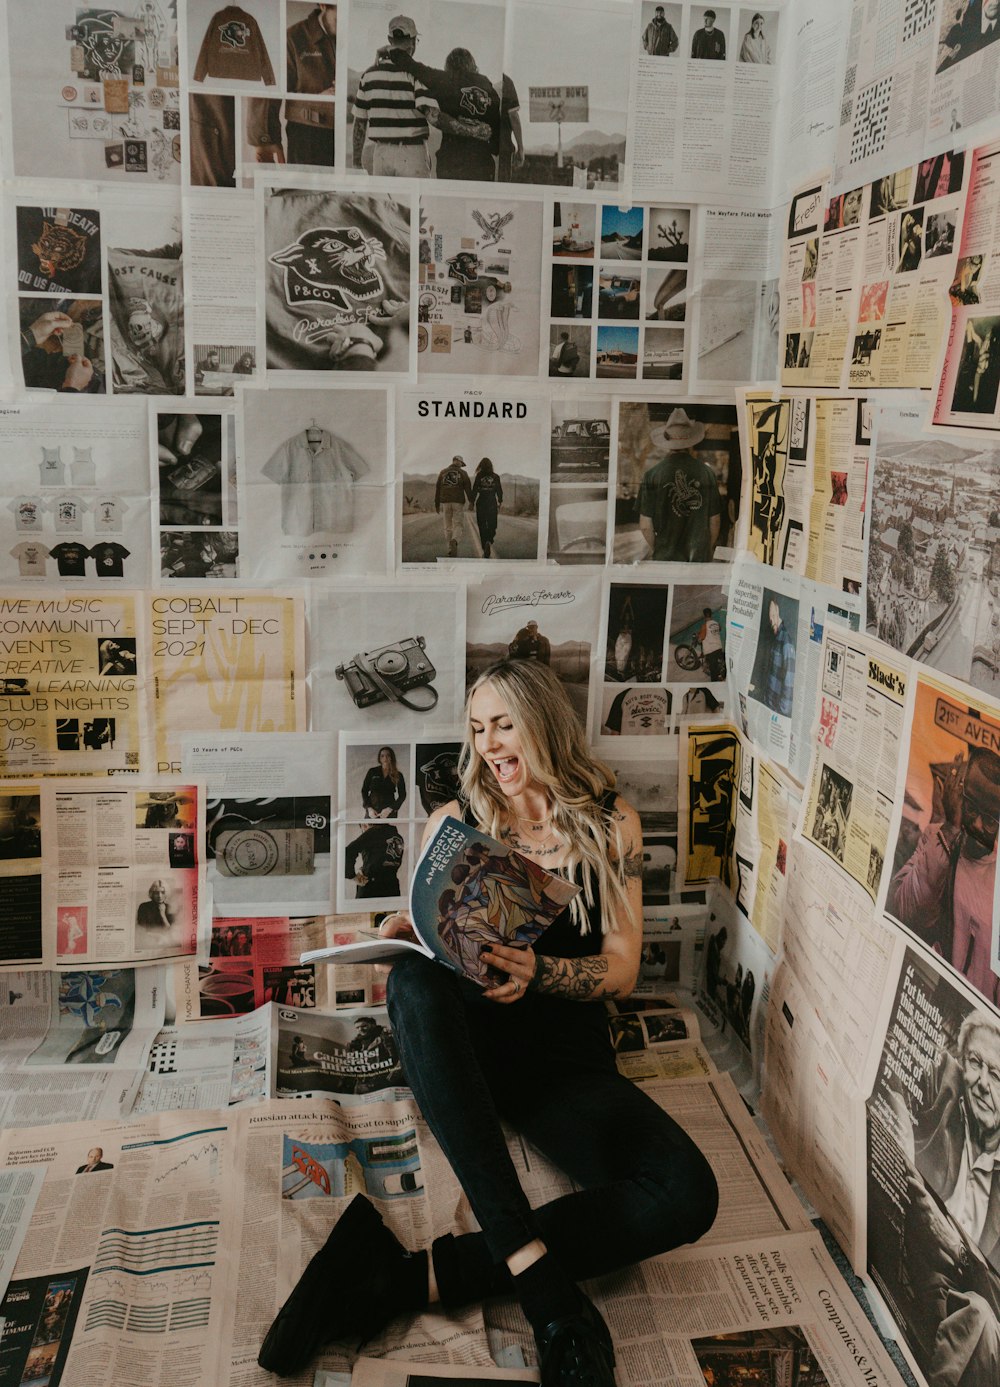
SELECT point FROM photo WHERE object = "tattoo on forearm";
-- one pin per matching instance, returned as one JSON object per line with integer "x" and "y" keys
{"x": 360, "y": 131}
{"x": 632, "y": 864}
{"x": 578, "y": 979}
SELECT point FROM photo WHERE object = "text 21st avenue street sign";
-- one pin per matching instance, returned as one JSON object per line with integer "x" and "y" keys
{"x": 558, "y": 104}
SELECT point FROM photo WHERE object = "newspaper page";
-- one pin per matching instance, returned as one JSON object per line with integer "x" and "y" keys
{"x": 193, "y": 480}
{"x": 911, "y": 238}
{"x": 841, "y": 445}
{"x": 222, "y": 318}
{"x": 812, "y": 84}
{"x": 820, "y": 275}
{"x": 933, "y": 1251}
{"x": 941, "y": 883}
{"x": 224, "y": 662}
{"x": 352, "y": 1053}
{"x": 94, "y": 93}
{"x": 732, "y": 995}
{"x": 69, "y": 695}
{"x": 734, "y": 297}
{"x": 208, "y": 1064}
{"x": 815, "y": 1111}
{"x": 771, "y": 1312}
{"x": 128, "y": 1231}
{"x": 269, "y": 806}
{"x": 77, "y": 497}
{"x": 391, "y": 1372}
{"x": 776, "y": 626}
{"x": 19, "y": 1191}
{"x": 851, "y": 789}
{"x": 318, "y": 462}
{"x": 931, "y": 590}
{"x": 708, "y": 784}
{"x": 776, "y": 440}
{"x": 75, "y": 1045}
{"x": 107, "y": 875}
{"x": 969, "y": 373}
{"x": 254, "y": 960}
{"x": 706, "y": 90}
{"x": 920, "y": 76}
{"x": 672, "y": 938}
{"x": 767, "y": 810}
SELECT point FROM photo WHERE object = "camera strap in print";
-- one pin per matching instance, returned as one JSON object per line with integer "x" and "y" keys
{"x": 389, "y": 690}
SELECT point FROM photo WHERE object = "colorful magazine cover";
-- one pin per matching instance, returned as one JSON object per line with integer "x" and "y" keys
{"x": 468, "y": 892}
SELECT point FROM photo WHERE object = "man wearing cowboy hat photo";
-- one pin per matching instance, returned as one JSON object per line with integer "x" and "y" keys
{"x": 680, "y": 510}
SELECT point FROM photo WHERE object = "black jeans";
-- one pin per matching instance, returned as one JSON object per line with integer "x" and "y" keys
{"x": 546, "y": 1067}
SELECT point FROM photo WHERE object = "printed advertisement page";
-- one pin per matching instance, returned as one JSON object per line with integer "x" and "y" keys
{"x": 841, "y": 447}
{"x": 851, "y": 790}
{"x": 970, "y": 368}
{"x": 941, "y": 883}
{"x": 776, "y": 438}
{"x": 224, "y": 662}
{"x": 69, "y": 695}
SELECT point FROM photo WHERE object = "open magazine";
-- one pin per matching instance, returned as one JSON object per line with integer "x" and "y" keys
{"x": 468, "y": 892}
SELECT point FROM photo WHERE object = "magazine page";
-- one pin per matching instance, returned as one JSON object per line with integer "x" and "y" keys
{"x": 208, "y": 1064}
{"x": 469, "y": 892}
{"x": 256, "y": 959}
{"x": 777, "y": 440}
{"x": 969, "y": 373}
{"x": 732, "y": 996}
{"x": 841, "y": 448}
{"x": 222, "y": 320}
{"x": 913, "y": 229}
{"x": 194, "y": 485}
{"x": 851, "y": 791}
{"x": 820, "y": 278}
{"x": 352, "y": 1053}
{"x": 767, "y": 809}
{"x": 940, "y": 882}
{"x": 268, "y": 813}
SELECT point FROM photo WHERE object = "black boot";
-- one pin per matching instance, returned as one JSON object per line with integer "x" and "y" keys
{"x": 576, "y": 1350}
{"x": 359, "y": 1280}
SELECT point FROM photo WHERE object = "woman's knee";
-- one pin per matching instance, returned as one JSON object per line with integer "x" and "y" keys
{"x": 684, "y": 1195}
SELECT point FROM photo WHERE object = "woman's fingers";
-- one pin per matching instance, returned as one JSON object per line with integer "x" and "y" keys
{"x": 518, "y": 964}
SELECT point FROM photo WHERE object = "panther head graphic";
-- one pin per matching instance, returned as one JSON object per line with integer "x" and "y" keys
{"x": 332, "y": 265}
{"x": 59, "y": 248}
{"x": 234, "y": 34}
{"x": 475, "y": 101}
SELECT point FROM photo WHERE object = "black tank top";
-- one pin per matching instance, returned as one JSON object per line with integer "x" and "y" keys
{"x": 563, "y": 938}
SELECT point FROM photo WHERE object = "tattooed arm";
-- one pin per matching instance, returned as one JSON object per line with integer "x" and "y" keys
{"x": 612, "y": 972}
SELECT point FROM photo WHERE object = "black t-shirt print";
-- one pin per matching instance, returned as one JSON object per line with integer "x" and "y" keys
{"x": 71, "y": 559}
{"x": 109, "y": 559}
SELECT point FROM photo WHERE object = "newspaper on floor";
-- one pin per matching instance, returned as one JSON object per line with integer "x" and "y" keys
{"x": 393, "y": 1372}
{"x": 75, "y": 1044}
{"x": 351, "y": 1054}
{"x": 208, "y": 1064}
{"x": 969, "y": 373}
{"x": 657, "y": 1043}
{"x": 851, "y": 788}
{"x": 19, "y": 1191}
{"x": 104, "y": 874}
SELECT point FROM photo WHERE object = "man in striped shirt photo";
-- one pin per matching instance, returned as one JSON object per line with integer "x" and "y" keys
{"x": 392, "y": 113}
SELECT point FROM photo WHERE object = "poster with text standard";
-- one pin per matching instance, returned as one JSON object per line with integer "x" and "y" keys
{"x": 94, "y": 91}
{"x": 941, "y": 878}
{"x": 933, "y": 1186}
{"x": 390, "y": 657}
{"x": 336, "y": 281}
{"x": 316, "y": 495}
{"x": 851, "y": 786}
{"x": 472, "y": 473}
{"x": 933, "y": 588}
{"x": 75, "y": 502}
{"x": 479, "y": 286}
{"x": 543, "y": 617}
{"x": 224, "y": 662}
{"x": 69, "y": 696}
{"x": 970, "y": 368}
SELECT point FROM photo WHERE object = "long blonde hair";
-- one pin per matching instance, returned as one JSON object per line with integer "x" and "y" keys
{"x": 561, "y": 762}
